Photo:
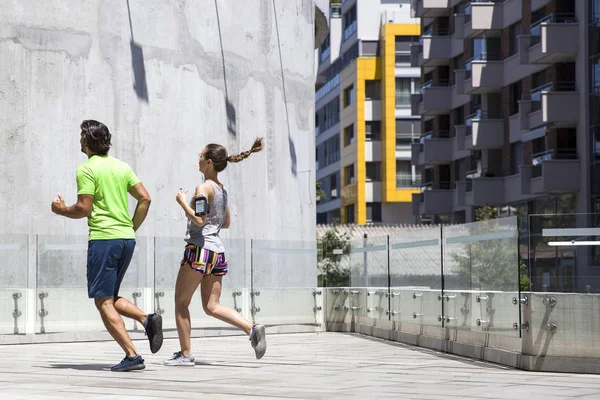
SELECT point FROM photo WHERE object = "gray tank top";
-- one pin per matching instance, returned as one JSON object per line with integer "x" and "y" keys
{"x": 207, "y": 236}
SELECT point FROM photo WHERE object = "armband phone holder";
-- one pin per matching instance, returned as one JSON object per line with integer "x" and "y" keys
{"x": 201, "y": 206}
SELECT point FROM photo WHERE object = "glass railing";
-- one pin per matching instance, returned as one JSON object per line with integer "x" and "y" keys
{"x": 468, "y": 13}
{"x": 349, "y": 30}
{"x": 558, "y": 86}
{"x": 328, "y": 87}
{"x": 474, "y": 277}
{"x": 407, "y": 181}
{"x": 325, "y": 54}
{"x": 538, "y": 159}
{"x": 535, "y": 30}
{"x": 43, "y": 289}
{"x": 469, "y": 69}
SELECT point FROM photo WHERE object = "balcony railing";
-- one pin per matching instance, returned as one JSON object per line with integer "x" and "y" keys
{"x": 325, "y": 54}
{"x": 554, "y": 154}
{"x": 469, "y": 69}
{"x": 535, "y": 30}
{"x": 469, "y": 122}
{"x": 328, "y": 87}
{"x": 350, "y": 30}
{"x": 407, "y": 181}
{"x": 468, "y": 13}
{"x": 558, "y": 86}
{"x": 429, "y": 84}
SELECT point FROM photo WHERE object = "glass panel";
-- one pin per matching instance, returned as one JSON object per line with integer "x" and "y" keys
{"x": 168, "y": 253}
{"x": 481, "y": 276}
{"x": 62, "y": 283}
{"x": 13, "y": 285}
{"x": 415, "y": 278}
{"x": 562, "y": 252}
{"x": 564, "y": 270}
{"x": 369, "y": 295}
{"x": 284, "y": 276}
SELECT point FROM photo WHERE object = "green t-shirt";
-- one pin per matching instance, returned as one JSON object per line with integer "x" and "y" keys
{"x": 109, "y": 180}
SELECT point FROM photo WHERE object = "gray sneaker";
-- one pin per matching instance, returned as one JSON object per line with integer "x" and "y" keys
{"x": 258, "y": 340}
{"x": 179, "y": 359}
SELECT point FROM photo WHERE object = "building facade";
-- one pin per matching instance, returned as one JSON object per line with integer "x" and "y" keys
{"x": 363, "y": 122}
{"x": 510, "y": 107}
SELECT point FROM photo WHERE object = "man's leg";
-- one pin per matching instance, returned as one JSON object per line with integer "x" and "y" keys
{"x": 114, "y": 324}
{"x": 129, "y": 310}
{"x": 152, "y": 323}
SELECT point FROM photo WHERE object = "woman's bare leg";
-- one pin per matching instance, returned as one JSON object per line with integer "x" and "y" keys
{"x": 187, "y": 283}
{"x": 211, "y": 294}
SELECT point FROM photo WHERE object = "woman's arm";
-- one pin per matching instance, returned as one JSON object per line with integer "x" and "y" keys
{"x": 201, "y": 190}
{"x": 227, "y": 220}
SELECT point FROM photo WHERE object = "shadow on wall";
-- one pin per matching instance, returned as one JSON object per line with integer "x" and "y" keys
{"x": 137, "y": 63}
{"x": 229, "y": 107}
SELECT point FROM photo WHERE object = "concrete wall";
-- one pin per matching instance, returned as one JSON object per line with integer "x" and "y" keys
{"x": 167, "y": 77}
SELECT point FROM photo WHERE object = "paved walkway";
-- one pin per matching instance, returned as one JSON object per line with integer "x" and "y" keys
{"x": 297, "y": 366}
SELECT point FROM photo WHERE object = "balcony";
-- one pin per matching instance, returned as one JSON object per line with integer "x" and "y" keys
{"x": 483, "y": 133}
{"x": 432, "y": 151}
{"x": 487, "y": 75}
{"x": 555, "y": 102}
{"x": 433, "y": 100}
{"x": 482, "y": 190}
{"x": 435, "y": 49}
{"x": 553, "y": 171}
{"x": 434, "y": 201}
{"x": 494, "y": 14}
{"x": 553, "y": 39}
{"x": 429, "y": 8}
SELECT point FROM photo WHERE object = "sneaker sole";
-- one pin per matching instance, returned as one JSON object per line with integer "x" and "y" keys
{"x": 157, "y": 341}
{"x": 136, "y": 367}
{"x": 261, "y": 346}
{"x": 181, "y": 365}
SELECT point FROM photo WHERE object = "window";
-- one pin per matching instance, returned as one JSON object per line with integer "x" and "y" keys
{"x": 515, "y": 94}
{"x": 403, "y": 92}
{"x": 408, "y": 127}
{"x": 349, "y": 135}
{"x": 350, "y": 214}
{"x": 333, "y": 185}
{"x": 348, "y": 95}
{"x": 349, "y": 175}
{"x": 350, "y": 22}
{"x": 514, "y": 32}
{"x": 372, "y": 130}
{"x": 516, "y": 157}
{"x": 373, "y": 212}
{"x": 595, "y": 143}
{"x": 373, "y": 171}
{"x": 404, "y": 176}
{"x": 372, "y": 90}
{"x": 403, "y": 60}
{"x": 595, "y": 75}
{"x": 370, "y": 48}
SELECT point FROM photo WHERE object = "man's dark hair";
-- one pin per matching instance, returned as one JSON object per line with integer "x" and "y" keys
{"x": 97, "y": 136}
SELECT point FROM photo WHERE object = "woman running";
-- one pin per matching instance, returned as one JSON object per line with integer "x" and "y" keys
{"x": 204, "y": 261}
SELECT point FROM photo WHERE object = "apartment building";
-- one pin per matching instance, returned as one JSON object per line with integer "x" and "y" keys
{"x": 364, "y": 125}
{"x": 510, "y": 107}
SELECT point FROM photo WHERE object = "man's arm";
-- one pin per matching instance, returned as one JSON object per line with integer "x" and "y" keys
{"x": 81, "y": 209}
{"x": 138, "y": 191}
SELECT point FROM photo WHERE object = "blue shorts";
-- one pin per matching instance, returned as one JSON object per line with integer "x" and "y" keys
{"x": 107, "y": 262}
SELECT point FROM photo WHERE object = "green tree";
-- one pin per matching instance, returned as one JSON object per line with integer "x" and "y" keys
{"x": 320, "y": 194}
{"x": 489, "y": 264}
{"x": 333, "y": 271}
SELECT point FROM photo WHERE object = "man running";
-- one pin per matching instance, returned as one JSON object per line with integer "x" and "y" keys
{"x": 102, "y": 186}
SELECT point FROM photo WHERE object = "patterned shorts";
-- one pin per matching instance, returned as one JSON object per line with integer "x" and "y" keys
{"x": 205, "y": 261}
